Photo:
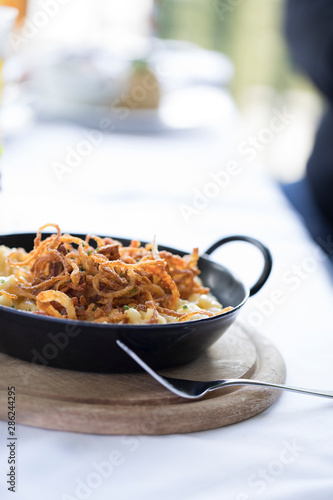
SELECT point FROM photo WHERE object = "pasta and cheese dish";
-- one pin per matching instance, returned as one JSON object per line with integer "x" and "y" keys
{"x": 100, "y": 280}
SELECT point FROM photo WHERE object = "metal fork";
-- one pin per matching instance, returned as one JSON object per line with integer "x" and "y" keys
{"x": 193, "y": 389}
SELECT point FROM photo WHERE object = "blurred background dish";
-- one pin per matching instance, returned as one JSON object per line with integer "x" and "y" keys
{"x": 159, "y": 92}
{"x": 184, "y": 109}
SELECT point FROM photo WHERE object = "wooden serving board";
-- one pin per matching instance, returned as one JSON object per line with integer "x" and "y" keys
{"x": 135, "y": 403}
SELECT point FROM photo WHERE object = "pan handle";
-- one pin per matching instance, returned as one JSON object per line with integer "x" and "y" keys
{"x": 265, "y": 252}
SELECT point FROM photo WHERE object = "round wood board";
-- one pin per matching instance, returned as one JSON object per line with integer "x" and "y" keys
{"x": 135, "y": 403}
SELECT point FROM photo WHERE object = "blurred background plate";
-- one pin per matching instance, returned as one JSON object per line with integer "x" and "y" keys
{"x": 184, "y": 109}
{"x": 92, "y": 86}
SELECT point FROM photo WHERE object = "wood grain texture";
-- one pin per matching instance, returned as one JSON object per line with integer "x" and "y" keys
{"x": 135, "y": 403}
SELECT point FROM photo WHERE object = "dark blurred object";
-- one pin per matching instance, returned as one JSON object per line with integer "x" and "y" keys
{"x": 301, "y": 198}
{"x": 309, "y": 30}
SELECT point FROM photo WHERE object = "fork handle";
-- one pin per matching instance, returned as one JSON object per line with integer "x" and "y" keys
{"x": 244, "y": 381}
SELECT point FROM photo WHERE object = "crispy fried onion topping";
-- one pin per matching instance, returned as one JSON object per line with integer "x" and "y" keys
{"x": 98, "y": 279}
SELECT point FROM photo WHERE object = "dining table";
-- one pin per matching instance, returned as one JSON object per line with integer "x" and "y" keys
{"x": 187, "y": 187}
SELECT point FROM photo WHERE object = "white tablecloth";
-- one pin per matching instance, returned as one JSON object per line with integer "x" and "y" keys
{"x": 138, "y": 186}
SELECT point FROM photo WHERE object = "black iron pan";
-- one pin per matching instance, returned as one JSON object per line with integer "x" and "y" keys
{"x": 86, "y": 346}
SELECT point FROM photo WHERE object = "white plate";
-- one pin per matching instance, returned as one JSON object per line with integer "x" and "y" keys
{"x": 185, "y": 109}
